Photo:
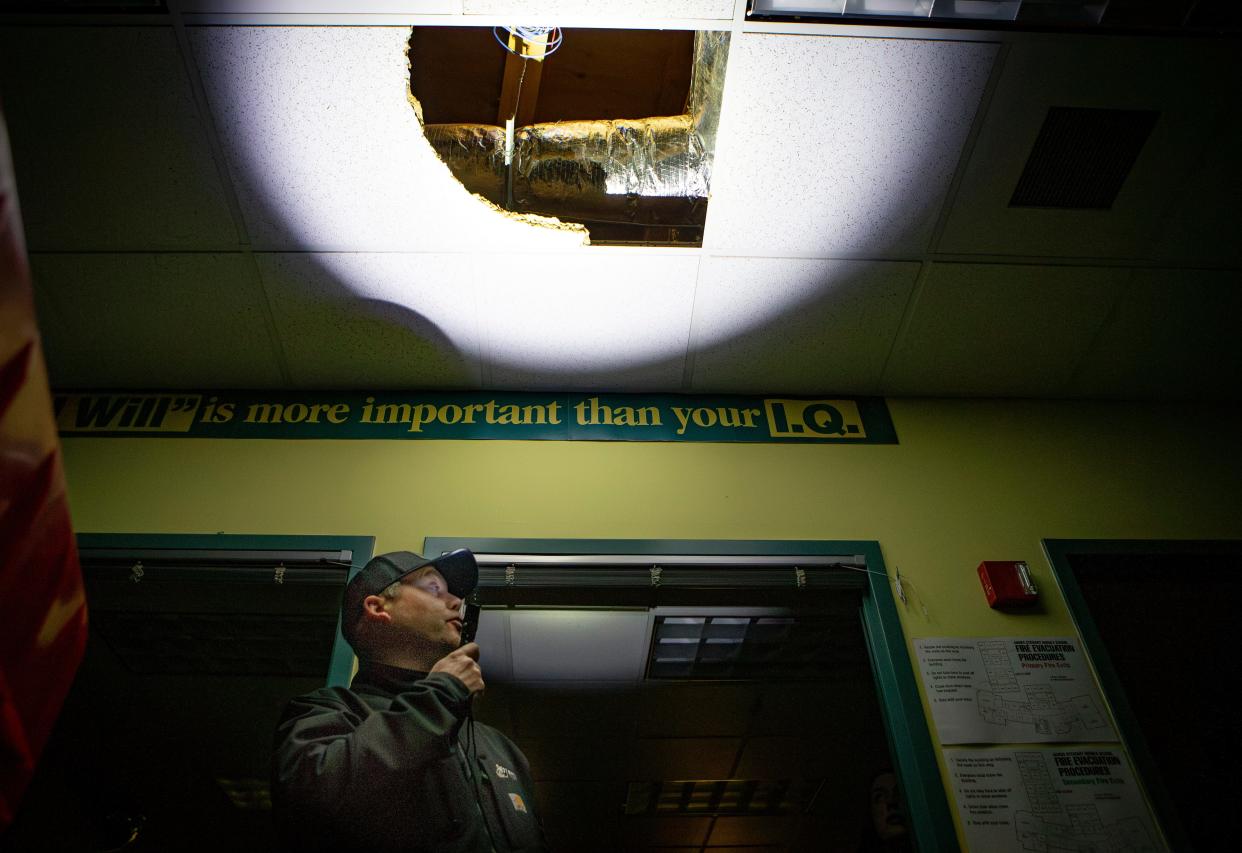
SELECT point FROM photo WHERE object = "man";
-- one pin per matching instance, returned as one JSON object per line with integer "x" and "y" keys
{"x": 395, "y": 762}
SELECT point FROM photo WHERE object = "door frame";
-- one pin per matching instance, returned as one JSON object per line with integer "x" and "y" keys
{"x": 1150, "y": 779}
{"x": 905, "y": 723}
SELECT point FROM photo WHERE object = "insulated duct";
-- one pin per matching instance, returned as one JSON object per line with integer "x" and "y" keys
{"x": 653, "y": 171}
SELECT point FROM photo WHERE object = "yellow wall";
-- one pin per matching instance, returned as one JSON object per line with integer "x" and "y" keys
{"x": 969, "y": 481}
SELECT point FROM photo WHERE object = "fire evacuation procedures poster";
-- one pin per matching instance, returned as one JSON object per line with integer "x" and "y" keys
{"x": 1059, "y": 800}
{"x": 1012, "y": 690}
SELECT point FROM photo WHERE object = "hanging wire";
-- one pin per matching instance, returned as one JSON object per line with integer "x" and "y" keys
{"x": 554, "y": 36}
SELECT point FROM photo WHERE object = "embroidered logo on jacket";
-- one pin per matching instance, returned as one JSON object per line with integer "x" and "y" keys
{"x": 504, "y": 773}
{"x": 518, "y": 803}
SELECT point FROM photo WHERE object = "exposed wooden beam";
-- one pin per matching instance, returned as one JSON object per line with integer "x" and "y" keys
{"x": 519, "y": 91}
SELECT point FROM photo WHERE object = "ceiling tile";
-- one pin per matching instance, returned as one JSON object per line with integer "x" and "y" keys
{"x": 108, "y": 146}
{"x": 552, "y": 10}
{"x": 696, "y": 710}
{"x": 1202, "y": 225}
{"x": 494, "y": 707}
{"x": 327, "y": 153}
{"x": 156, "y": 321}
{"x": 1174, "y": 334}
{"x": 327, "y": 7}
{"x": 681, "y": 758}
{"x": 493, "y": 635}
{"x": 1129, "y": 75}
{"x": 638, "y": 832}
{"x": 796, "y": 326}
{"x": 374, "y": 320}
{"x": 578, "y": 645}
{"x": 583, "y": 815}
{"x": 731, "y": 830}
{"x": 993, "y": 330}
{"x": 831, "y": 145}
{"x": 807, "y": 758}
{"x": 595, "y": 758}
{"x": 546, "y": 714}
{"x": 53, "y": 329}
{"x": 780, "y": 758}
{"x": 616, "y": 320}
{"x": 802, "y": 706}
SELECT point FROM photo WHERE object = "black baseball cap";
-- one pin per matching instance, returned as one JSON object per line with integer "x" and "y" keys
{"x": 459, "y": 569}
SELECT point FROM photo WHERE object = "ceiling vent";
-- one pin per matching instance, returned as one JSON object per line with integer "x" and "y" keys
{"x": 752, "y": 648}
{"x": 1082, "y": 157}
{"x": 722, "y": 797}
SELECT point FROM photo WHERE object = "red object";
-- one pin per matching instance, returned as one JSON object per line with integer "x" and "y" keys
{"x": 1007, "y": 583}
{"x": 42, "y": 605}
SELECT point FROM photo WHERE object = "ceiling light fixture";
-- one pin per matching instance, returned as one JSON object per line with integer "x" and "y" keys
{"x": 722, "y": 797}
{"x": 1061, "y": 12}
{"x": 749, "y": 647}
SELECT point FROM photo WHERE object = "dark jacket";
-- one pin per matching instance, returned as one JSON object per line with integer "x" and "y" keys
{"x": 382, "y": 766}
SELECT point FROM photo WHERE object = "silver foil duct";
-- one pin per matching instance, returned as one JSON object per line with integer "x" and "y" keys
{"x": 474, "y": 153}
{"x": 711, "y": 55}
{"x": 605, "y": 169}
{"x": 654, "y": 157}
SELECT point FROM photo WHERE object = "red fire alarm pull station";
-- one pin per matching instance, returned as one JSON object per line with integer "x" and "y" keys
{"x": 1007, "y": 583}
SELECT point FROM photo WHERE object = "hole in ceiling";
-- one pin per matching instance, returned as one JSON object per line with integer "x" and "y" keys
{"x": 614, "y": 129}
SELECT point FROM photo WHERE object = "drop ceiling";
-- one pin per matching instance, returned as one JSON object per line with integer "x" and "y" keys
{"x": 234, "y": 194}
{"x": 576, "y": 690}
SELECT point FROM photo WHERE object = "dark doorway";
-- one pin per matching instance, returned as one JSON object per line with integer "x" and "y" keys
{"x": 1168, "y": 624}
{"x": 164, "y": 741}
{"x": 703, "y": 720}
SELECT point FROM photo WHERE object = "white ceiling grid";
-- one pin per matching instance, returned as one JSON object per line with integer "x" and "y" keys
{"x": 837, "y": 147}
{"x": 1201, "y": 226}
{"x": 405, "y": 320}
{"x": 599, "y": 319}
{"x": 115, "y": 154}
{"x": 558, "y": 10}
{"x": 798, "y": 325}
{"x": 528, "y": 10}
{"x": 270, "y": 187}
{"x": 318, "y": 7}
{"x": 326, "y": 152}
{"x": 1176, "y": 78}
{"x": 1173, "y": 333}
{"x": 994, "y": 330}
{"x": 185, "y": 321}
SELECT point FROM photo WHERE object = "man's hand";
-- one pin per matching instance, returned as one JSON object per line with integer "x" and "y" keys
{"x": 463, "y": 664}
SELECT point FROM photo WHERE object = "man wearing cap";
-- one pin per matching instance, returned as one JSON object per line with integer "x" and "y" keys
{"x": 395, "y": 762}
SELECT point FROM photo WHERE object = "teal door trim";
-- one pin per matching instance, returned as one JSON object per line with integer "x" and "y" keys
{"x": 360, "y": 548}
{"x": 904, "y": 720}
{"x": 1058, "y": 552}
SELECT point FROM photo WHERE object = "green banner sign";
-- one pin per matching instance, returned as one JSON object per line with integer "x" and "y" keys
{"x": 476, "y": 415}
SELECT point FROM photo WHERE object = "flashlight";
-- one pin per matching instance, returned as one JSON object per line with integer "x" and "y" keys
{"x": 470, "y": 619}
